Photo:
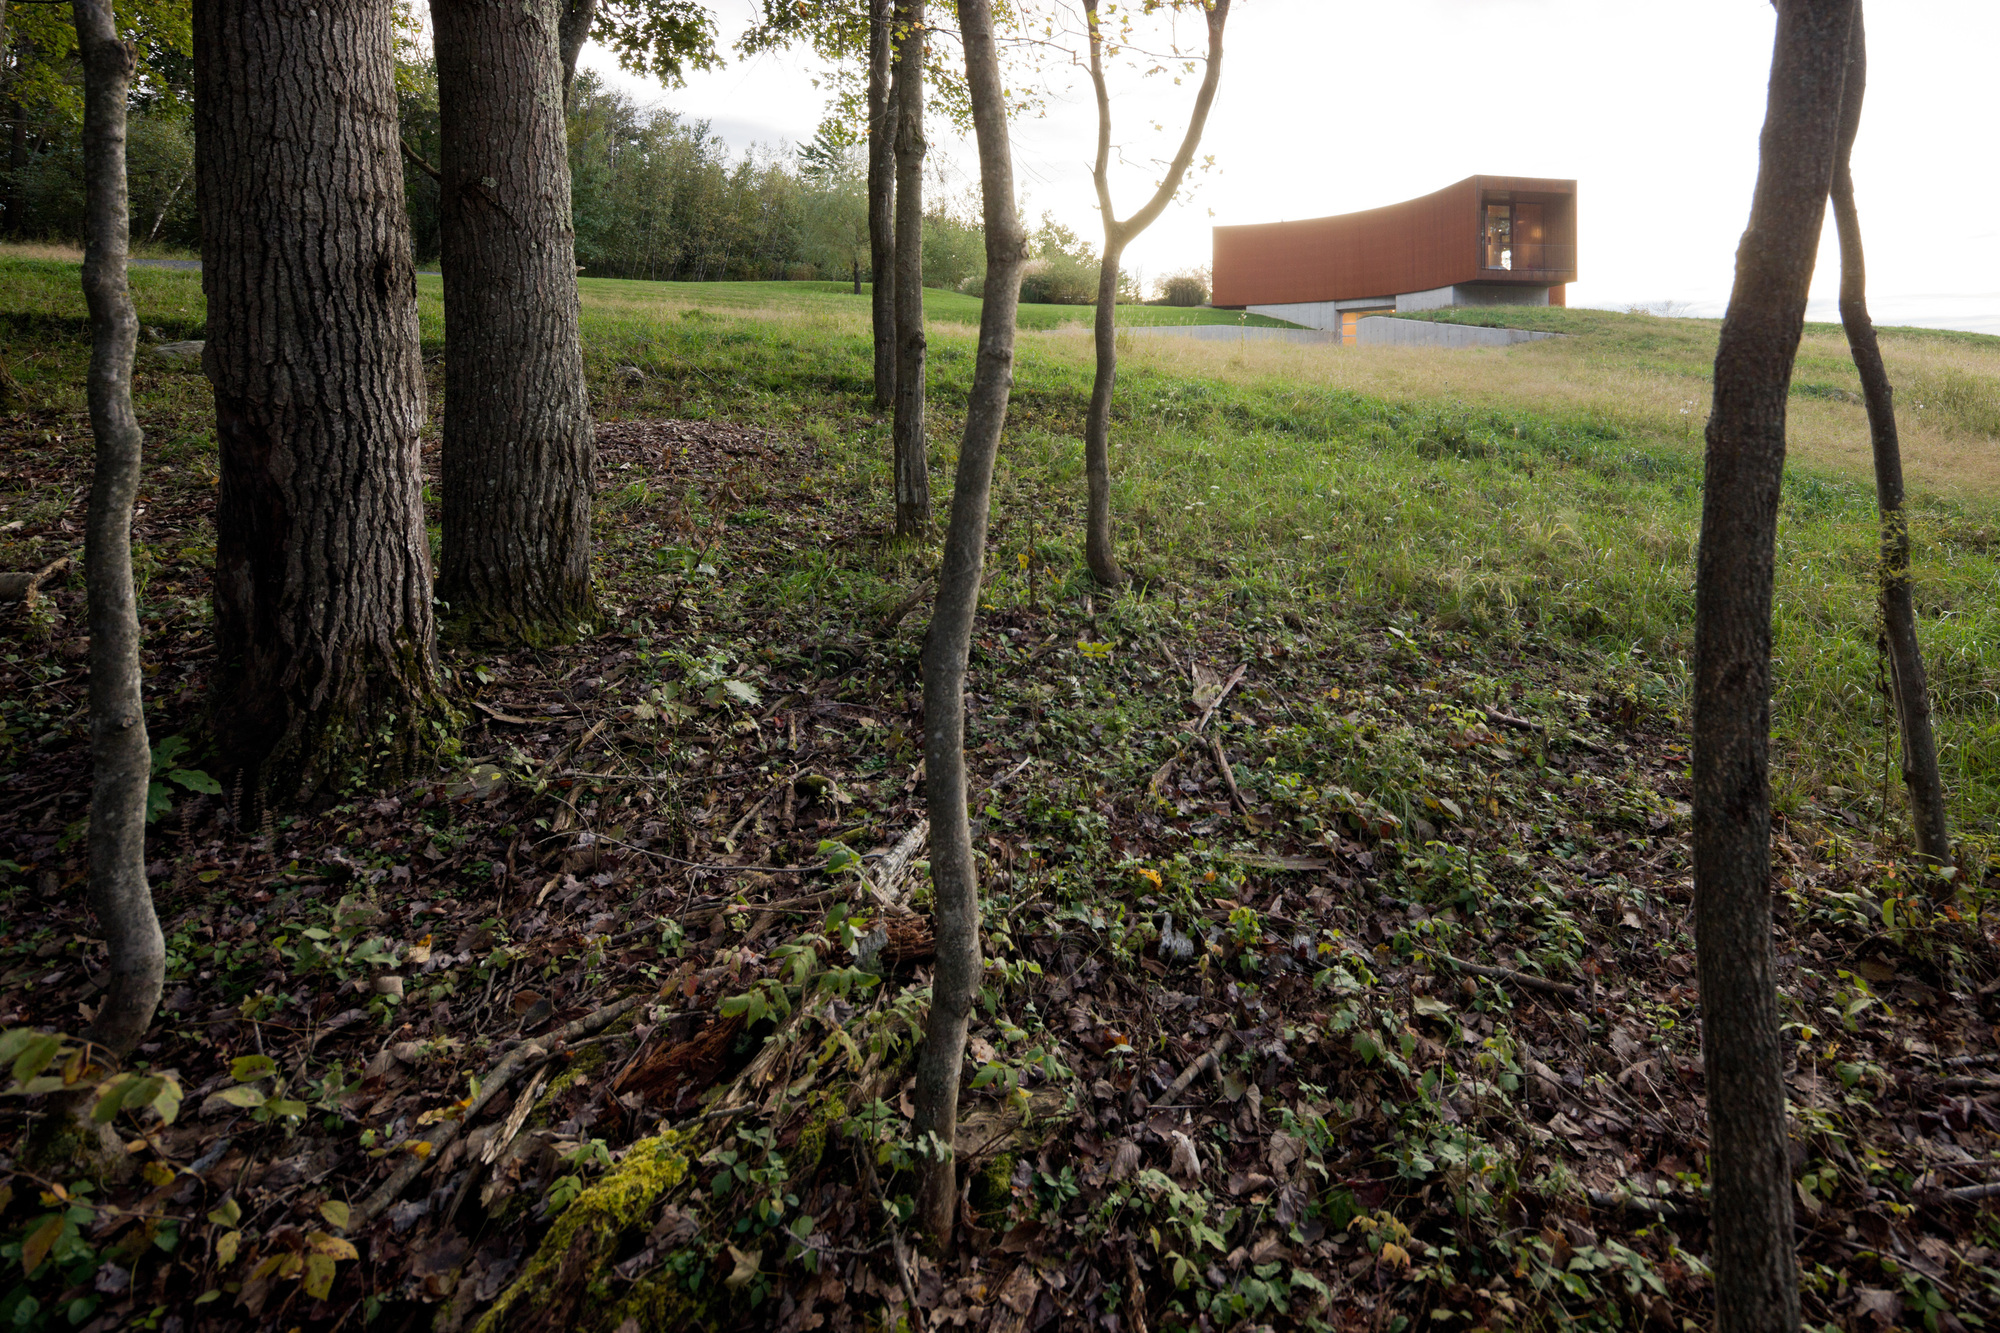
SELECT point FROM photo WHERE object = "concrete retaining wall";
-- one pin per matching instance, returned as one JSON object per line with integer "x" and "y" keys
{"x": 1383, "y": 331}
{"x": 1228, "y": 333}
{"x": 1493, "y": 293}
{"x": 1320, "y": 314}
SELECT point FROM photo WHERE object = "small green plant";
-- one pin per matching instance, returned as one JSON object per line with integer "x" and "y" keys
{"x": 169, "y": 773}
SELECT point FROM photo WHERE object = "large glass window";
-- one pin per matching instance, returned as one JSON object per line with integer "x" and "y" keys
{"x": 1499, "y": 236}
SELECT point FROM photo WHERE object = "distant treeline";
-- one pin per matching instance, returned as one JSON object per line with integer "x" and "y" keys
{"x": 655, "y": 195}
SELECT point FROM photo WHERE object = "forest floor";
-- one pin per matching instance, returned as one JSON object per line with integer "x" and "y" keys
{"x": 1335, "y": 885}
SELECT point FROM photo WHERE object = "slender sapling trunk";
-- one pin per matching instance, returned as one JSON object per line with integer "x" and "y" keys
{"x": 882, "y": 195}
{"x": 913, "y": 477}
{"x": 953, "y": 873}
{"x": 121, "y": 760}
{"x": 1098, "y": 547}
{"x": 1909, "y": 689}
{"x": 1756, "y": 1274}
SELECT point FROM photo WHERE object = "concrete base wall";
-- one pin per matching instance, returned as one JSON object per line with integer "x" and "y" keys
{"x": 1383, "y": 331}
{"x": 1441, "y": 298}
{"x": 1229, "y": 333}
{"x": 1319, "y": 314}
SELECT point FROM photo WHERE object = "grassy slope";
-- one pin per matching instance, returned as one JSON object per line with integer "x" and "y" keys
{"x": 1391, "y": 545}
{"x": 839, "y": 298}
{"x": 1569, "y": 512}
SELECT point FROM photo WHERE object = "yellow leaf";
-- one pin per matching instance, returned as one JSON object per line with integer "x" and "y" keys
{"x": 225, "y": 1248}
{"x": 1395, "y": 1255}
{"x": 157, "y": 1173}
{"x": 331, "y": 1246}
{"x": 336, "y": 1214}
{"x": 319, "y": 1276}
{"x": 419, "y": 1147}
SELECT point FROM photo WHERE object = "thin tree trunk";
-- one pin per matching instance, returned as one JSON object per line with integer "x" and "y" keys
{"x": 518, "y": 442}
{"x": 1099, "y": 552}
{"x": 1899, "y": 617}
{"x": 325, "y": 655}
{"x": 17, "y": 162}
{"x": 953, "y": 873}
{"x": 857, "y": 277}
{"x": 173, "y": 194}
{"x": 121, "y": 760}
{"x": 1756, "y": 1275}
{"x": 913, "y": 477}
{"x": 882, "y": 195}
{"x": 572, "y": 32}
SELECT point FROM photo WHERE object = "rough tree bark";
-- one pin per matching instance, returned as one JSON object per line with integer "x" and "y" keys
{"x": 953, "y": 873}
{"x": 121, "y": 760}
{"x": 572, "y": 32}
{"x": 1909, "y": 689}
{"x": 913, "y": 477}
{"x": 325, "y": 655}
{"x": 1099, "y": 553}
{"x": 518, "y": 441}
{"x": 1756, "y": 1275}
{"x": 882, "y": 196}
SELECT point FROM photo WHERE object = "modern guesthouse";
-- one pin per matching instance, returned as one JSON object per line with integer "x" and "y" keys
{"x": 1488, "y": 240}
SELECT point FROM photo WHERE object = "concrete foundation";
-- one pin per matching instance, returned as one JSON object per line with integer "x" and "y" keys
{"x": 1475, "y": 293}
{"x": 1320, "y": 314}
{"x": 1383, "y": 331}
{"x": 1229, "y": 333}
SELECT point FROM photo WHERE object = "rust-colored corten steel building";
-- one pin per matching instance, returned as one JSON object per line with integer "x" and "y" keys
{"x": 1488, "y": 240}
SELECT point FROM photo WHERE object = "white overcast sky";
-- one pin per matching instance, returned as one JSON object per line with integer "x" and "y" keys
{"x": 1327, "y": 106}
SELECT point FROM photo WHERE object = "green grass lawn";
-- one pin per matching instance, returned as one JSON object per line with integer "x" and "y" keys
{"x": 840, "y": 298}
{"x": 1564, "y": 528}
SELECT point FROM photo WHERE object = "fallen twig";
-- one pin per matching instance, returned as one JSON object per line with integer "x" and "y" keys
{"x": 903, "y": 608}
{"x": 1208, "y": 1059}
{"x": 499, "y": 1077}
{"x": 1508, "y": 974}
{"x": 1234, "y": 680}
{"x": 1640, "y": 1203}
{"x": 1228, "y": 777}
{"x": 1500, "y": 719}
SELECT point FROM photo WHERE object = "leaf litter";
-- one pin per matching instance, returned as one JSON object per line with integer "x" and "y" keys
{"x": 1347, "y": 981}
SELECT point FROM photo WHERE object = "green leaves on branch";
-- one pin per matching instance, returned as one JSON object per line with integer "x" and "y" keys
{"x": 38, "y": 1063}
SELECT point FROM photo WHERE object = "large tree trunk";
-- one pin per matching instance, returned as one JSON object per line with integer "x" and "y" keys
{"x": 518, "y": 444}
{"x": 573, "y": 31}
{"x": 882, "y": 196}
{"x": 121, "y": 760}
{"x": 953, "y": 873}
{"x": 325, "y": 656}
{"x": 1756, "y": 1275}
{"x": 913, "y": 476}
{"x": 1899, "y": 617}
{"x": 1098, "y": 547}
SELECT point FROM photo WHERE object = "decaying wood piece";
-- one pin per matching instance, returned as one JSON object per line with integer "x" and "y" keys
{"x": 25, "y": 587}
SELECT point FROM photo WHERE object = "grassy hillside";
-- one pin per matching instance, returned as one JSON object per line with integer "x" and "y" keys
{"x": 1361, "y": 998}
{"x": 1548, "y": 488}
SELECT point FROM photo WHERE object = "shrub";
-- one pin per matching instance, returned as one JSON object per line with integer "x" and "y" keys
{"x": 1188, "y": 287}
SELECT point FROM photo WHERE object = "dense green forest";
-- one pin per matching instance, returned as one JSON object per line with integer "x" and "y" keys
{"x": 655, "y": 194}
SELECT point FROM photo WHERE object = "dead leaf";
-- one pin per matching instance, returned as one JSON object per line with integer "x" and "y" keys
{"x": 747, "y": 1264}
{"x": 1186, "y": 1161}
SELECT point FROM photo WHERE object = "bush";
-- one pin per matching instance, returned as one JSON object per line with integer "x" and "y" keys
{"x": 1059, "y": 280}
{"x": 1187, "y": 288}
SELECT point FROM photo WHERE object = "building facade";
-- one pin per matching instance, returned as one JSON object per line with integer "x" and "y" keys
{"x": 1488, "y": 240}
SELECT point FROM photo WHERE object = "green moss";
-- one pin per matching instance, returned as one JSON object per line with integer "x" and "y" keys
{"x": 812, "y": 1139}
{"x": 993, "y": 1187}
{"x": 571, "y": 1257}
